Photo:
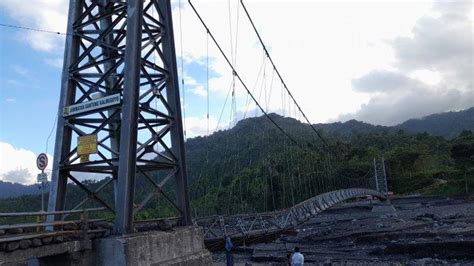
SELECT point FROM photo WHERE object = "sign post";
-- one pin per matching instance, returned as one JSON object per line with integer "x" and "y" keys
{"x": 41, "y": 163}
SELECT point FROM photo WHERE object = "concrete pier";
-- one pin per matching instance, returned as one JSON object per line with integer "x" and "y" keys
{"x": 183, "y": 246}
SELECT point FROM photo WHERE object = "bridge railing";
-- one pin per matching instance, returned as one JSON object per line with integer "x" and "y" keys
{"x": 247, "y": 226}
{"x": 30, "y": 233}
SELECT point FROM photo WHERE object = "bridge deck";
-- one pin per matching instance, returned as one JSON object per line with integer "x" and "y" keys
{"x": 241, "y": 228}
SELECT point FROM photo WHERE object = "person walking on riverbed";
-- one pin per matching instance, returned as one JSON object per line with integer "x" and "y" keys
{"x": 297, "y": 259}
{"x": 228, "y": 252}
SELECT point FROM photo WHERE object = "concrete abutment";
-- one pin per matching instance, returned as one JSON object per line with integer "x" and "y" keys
{"x": 180, "y": 246}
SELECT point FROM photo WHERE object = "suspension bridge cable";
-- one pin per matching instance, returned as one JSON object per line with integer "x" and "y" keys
{"x": 281, "y": 78}
{"x": 51, "y": 132}
{"x": 33, "y": 29}
{"x": 182, "y": 68}
{"x": 231, "y": 118}
{"x": 247, "y": 100}
{"x": 236, "y": 34}
{"x": 271, "y": 89}
{"x": 223, "y": 107}
{"x": 238, "y": 76}
{"x": 42, "y": 31}
{"x": 207, "y": 80}
{"x": 235, "y": 60}
{"x": 230, "y": 33}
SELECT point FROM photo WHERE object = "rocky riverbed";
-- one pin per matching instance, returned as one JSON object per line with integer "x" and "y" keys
{"x": 421, "y": 231}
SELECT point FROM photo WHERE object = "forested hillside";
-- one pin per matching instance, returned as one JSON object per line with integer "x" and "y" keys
{"x": 254, "y": 167}
{"x": 448, "y": 125}
{"x": 8, "y": 189}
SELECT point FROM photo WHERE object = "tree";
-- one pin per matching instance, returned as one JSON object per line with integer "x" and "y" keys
{"x": 463, "y": 154}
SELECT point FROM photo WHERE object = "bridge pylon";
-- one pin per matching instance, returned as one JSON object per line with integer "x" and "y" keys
{"x": 119, "y": 114}
{"x": 380, "y": 176}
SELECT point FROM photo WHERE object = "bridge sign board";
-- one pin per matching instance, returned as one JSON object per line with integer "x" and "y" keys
{"x": 42, "y": 161}
{"x": 92, "y": 105}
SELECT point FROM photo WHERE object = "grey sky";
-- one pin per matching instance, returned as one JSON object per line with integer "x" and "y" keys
{"x": 440, "y": 46}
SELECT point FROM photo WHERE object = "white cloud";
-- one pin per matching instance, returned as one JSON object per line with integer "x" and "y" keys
{"x": 385, "y": 82}
{"x": 18, "y": 164}
{"x": 427, "y": 76}
{"x": 198, "y": 126}
{"x": 42, "y": 14}
{"x": 319, "y": 48}
{"x": 188, "y": 80}
{"x": 13, "y": 82}
{"x": 199, "y": 90}
{"x": 396, "y": 98}
{"x": 432, "y": 70}
{"x": 21, "y": 70}
{"x": 10, "y": 100}
{"x": 443, "y": 44}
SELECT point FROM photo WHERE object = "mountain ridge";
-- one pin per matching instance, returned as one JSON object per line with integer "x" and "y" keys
{"x": 447, "y": 125}
{"x": 11, "y": 189}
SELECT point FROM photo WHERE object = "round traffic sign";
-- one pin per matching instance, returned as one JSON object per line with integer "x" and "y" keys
{"x": 42, "y": 161}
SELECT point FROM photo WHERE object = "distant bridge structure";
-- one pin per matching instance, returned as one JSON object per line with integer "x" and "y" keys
{"x": 254, "y": 225}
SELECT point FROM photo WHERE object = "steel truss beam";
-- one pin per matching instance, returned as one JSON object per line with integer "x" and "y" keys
{"x": 380, "y": 176}
{"x": 249, "y": 225}
{"x": 127, "y": 48}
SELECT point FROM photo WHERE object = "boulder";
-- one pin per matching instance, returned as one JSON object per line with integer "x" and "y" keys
{"x": 12, "y": 246}
{"x": 36, "y": 242}
{"x": 24, "y": 244}
{"x": 47, "y": 240}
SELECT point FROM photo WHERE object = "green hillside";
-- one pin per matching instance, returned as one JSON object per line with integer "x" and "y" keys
{"x": 448, "y": 125}
{"x": 254, "y": 167}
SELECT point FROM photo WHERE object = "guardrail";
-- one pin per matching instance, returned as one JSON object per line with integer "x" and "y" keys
{"x": 245, "y": 227}
{"x": 28, "y": 234}
{"x": 239, "y": 227}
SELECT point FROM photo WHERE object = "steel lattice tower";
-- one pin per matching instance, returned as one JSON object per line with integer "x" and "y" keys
{"x": 380, "y": 176}
{"x": 120, "y": 89}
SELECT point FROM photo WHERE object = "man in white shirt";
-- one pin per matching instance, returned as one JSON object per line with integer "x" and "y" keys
{"x": 297, "y": 259}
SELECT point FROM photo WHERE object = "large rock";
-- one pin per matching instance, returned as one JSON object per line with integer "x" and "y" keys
{"x": 13, "y": 246}
{"x": 24, "y": 244}
{"x": 58, "y": 239}
{"x": 36, "y": 242}
{"x": 47, "y": 240}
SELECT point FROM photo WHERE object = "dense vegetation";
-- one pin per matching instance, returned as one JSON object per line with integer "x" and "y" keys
{"x": 9, "y": 190}
{"x": 254, "y": 167}
{"x": 448, "y": 125}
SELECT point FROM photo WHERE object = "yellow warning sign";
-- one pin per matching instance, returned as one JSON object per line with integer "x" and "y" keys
{"x": 84, "y": 158}
{"x": 86, "y": 145}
